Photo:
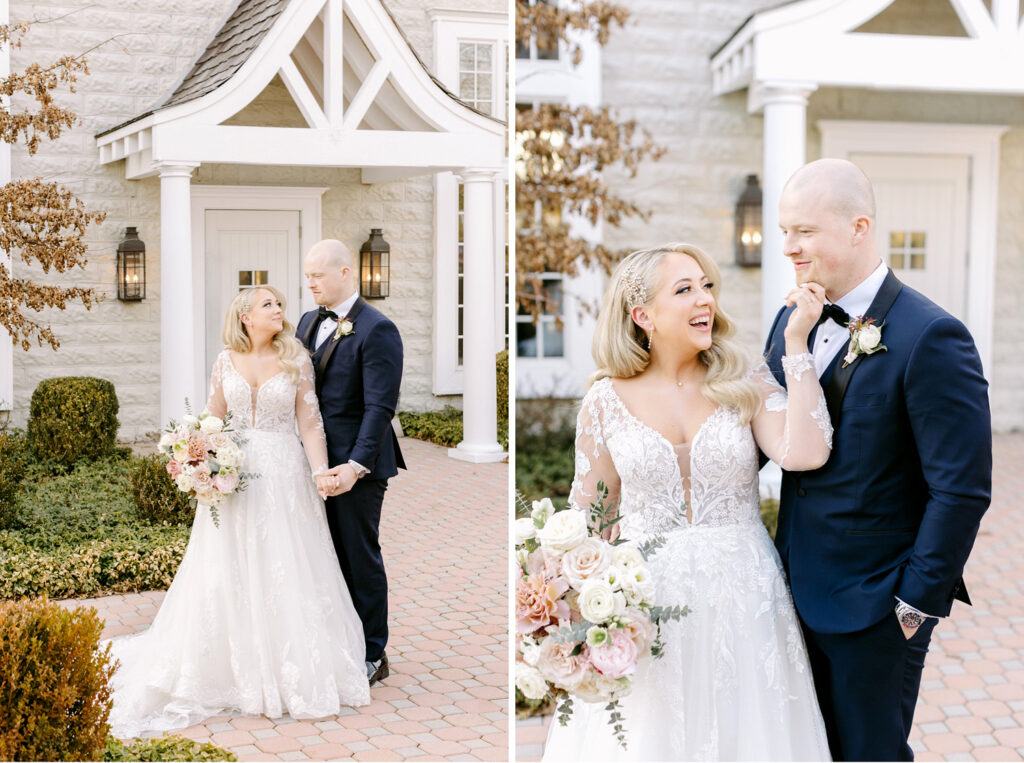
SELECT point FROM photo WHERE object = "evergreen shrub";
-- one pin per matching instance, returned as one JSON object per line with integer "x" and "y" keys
{"x": 72, "y": 418}
{"x": 156, "y": 496}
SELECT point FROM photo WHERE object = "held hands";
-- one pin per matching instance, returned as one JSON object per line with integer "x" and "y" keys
{"x": 335, "y": 481}
{"x": 809, "y": 299}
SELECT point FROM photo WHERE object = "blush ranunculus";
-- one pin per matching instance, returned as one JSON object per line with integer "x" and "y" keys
{"x": 173, "y": 468}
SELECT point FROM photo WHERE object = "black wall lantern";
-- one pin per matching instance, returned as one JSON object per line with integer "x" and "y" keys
{"x": 131, "y": 267}
{"x": 374, "y": 266}
{"x": 748, "y": 225}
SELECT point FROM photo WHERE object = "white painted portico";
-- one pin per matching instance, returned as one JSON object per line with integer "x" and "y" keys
{"x": 781, "y": 56}
{"x": 368, "y": 103}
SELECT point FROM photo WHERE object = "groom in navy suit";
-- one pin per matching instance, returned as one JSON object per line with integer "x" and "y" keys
{"x": 357, "y": 357}
{"x": 875, "y": 541}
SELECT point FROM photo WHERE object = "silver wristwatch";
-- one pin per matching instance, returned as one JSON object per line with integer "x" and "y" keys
{"x": 360, "y": 470}
{"x": 908, "y": 616}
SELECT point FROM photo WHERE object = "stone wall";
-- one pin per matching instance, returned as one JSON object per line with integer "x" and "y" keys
{"x": 131, "y": 72}
{"x": 657, "y": 70}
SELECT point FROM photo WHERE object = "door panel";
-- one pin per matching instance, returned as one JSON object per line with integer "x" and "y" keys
{"x": 248, "y": 248}
{"x": 921, "y": 228}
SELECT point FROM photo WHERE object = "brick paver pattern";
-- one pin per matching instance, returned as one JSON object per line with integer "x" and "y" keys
{"x": 444, "y": 530}
{"x": 971, "y": 705}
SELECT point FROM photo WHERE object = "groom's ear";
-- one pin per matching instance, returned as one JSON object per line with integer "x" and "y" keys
{"x": 861, "y": 229}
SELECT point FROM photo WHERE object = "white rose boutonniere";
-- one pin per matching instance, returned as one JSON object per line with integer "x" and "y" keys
{"x": 865, "y": 339}
{"x": 344, "y": 329}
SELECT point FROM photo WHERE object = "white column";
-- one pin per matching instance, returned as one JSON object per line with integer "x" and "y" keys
{"x": 178, "y": 366}
{"x": 6, "y": 347}
{"x": 785, "y": 151}
{"x": 479, "y": 407}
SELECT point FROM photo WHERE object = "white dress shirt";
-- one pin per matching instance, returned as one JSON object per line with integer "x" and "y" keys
{"x": 831, "y": 337}
{"x": 328, "y": 325}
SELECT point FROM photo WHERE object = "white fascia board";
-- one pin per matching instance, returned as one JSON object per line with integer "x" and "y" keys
{"x": 372, "y": 22}
{"x": 302, "y": 146}
{"x": 896, "y": 62}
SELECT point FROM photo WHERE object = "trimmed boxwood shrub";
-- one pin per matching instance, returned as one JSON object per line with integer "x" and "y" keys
{"x": 72, "y": 418}
{"x": 54, "y": 693}
{"x": 501, "y": 370}
{"x": 13, "y": 464}
{"x": 156, "y": 496}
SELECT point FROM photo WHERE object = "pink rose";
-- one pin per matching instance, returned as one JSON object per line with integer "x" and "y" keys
{"x": 202, "y": 478}
{"x": 640, "y": 630}
{"x": 173, "y": 468}
{"x": 592, "y": 557}
{"x": 615, "y": 658}
{"x": 559, "y": 666}
{"x": 225, "y": 483}
{"x": 538, "y": 602}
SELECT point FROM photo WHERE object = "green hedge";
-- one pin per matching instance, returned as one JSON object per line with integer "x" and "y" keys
{"x": 80, "y": 534}
{"x": 14, "y": 458}
{"x": 156, "y": 496}
{"x": 501, "y": 370}
{"x": 72, "y": 418}
{"x": 442, "y": 427}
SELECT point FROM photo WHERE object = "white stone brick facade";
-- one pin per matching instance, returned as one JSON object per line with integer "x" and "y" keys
{"x": 145, "y": 50}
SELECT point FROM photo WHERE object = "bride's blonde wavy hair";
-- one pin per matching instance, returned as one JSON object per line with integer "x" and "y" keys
{"x": 619, "y": 346}
{"x": 236, "y": 337}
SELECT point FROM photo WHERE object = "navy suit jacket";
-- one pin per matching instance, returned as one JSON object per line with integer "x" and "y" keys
{"x": 357, "y": 381}
{"x": 896, "y": 508}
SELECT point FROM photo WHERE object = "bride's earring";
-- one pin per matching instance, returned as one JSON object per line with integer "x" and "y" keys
{"x": 650, "y": 339}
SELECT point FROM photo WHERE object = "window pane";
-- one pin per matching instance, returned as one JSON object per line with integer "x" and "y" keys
{"x": 526, "y": 339}
{"x": 896, "y": 261}
{"x": 466, "y": 57}
{"x": 467, "y": 86}
{"x": 260, "y": 278}
{"x": 552, "y": 340}
{"x": 245, "y": 278}
{"x": 917, "y": 262}
{"x": 552, "y": 296}
{"x": 917, "y": 240}
{"x": 896, "y": 239}
{"x": 483, "y": 57}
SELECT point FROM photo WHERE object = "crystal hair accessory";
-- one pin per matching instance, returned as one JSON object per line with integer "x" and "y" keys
{"x": 636, "y": 292}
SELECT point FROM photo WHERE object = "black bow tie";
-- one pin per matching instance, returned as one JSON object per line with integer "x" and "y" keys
{"x": 834, "y": 312}
{"x": 323, "y": 312}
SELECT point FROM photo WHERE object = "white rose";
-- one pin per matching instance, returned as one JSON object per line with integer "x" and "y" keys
{"x": 524, "y": 530}
{"x": 530, "y": 650}
{"x": 184, "y": 482}
{"x": 592, "y": 557}
{"x": 597, "y": 600}
{"x": 167, "y": 440}
{"x": 530, "y": 682}
{"x": 626, "y": 556}
{"x": 211, "y": 424}
{"x": 542, "y": 511}
{"x": 563, "y": 531}
{"x": 190, "y": 421}
{"x": 869, "y": 337}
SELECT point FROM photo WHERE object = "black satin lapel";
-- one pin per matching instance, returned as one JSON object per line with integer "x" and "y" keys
{"x": 308, "y": 337}
{"x": 835, "y": 390}
{"x": 332, "y": 343}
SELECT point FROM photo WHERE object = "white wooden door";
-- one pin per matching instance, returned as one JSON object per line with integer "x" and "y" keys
{"x": 922, "y": 222}
{"x": 249, "y": 248}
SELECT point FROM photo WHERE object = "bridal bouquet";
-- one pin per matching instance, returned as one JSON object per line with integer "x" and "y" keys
{"x": 585, "y": 609}
{"x": 203, "y": 459}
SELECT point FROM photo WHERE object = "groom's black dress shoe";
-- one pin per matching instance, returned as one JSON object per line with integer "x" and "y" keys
{"x": 378, "y": 671}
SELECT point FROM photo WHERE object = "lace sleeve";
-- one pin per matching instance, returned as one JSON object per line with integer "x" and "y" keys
{"x": 307, "y": 414}
{"x": 216, "y": 403}
{"x": 593, "y": 461}
{"x": 793, "y": 428}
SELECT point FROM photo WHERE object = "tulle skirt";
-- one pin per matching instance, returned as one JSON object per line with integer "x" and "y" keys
{"x": 734, "y": 681}
{"x": 258, "y": 618}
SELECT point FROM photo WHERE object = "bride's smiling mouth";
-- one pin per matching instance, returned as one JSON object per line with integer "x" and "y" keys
{"x": 701, "y": 322}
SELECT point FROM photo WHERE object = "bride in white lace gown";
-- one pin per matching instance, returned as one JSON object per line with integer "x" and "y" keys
{"x": 258, "y": 618}
{"x": 672, "y": 428}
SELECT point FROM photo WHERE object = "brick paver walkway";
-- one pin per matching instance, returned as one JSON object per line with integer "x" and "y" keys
{"x": 972, "y": 693}
{"x": 444, "y": 536}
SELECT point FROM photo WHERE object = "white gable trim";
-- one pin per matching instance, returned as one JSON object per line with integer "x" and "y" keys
{"x": 456, "y": 136}
{"x": 990, "y": 60}
{"x": 979, "y": 142}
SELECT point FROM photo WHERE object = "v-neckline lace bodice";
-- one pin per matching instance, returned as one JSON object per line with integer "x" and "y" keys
{"x": 652, "y": 498}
